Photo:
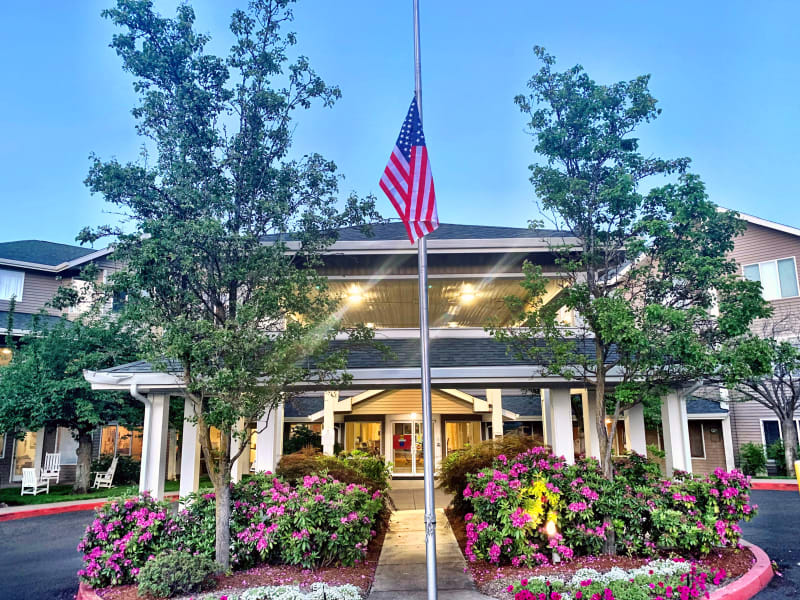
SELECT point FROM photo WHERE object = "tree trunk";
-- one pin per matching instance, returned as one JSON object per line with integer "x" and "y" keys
{"x": 222, "y": 548}
{"x": 84, "y": 464}
{"x": 789, "y": 443}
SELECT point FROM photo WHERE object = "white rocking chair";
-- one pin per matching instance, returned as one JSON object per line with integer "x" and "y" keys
{"x": 52, "y": 467}
{"x": 106, "y": 478}
{"x": 31, "y": 485}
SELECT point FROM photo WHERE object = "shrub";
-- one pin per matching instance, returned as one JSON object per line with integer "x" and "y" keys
{"x": 316, "y": 591}
{"x": 127, "y": 472}
{"x": 515, "y": 502}
{"x": 362, "y": 471}
{"x": 754, "y": 461}
{"x": 457, "y": 465}
{"x": 174, "y": 573}
{"x": 122, "y": 538}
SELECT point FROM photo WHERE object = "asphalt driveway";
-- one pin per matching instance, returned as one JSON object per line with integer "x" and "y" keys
{"x": 38, "y": 556}
{"x": 776, "y": 530}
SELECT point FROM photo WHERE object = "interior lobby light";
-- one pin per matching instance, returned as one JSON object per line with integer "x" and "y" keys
{"x": 354, "y": 296}
{"x": 5, "y": 356}
{"x": 452, "y": 323}
{"x": 467, "y": 294}
{"x": 370, "y": 325}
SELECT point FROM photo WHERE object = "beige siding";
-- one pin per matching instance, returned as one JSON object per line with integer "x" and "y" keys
{"x": 38, "y": 289}
{"x": 714, "y": 448}
{"x": 746, "y": 421}
{"x": 760, "y": 244}
{"x": 408, "y": 401}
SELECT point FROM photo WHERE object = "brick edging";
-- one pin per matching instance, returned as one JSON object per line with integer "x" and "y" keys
{"x": 775, "y": 486}
{"x": 749, "y": 584}
{"x": 86, "y": 593}
{"x": 44, "y": 510}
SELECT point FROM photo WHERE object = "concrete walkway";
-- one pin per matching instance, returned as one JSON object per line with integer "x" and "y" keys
{"x": 407, "y": 494}
{"x": 401, "y": 571}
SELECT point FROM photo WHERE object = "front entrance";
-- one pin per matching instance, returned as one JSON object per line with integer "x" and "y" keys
{"x": 407, "y": 448}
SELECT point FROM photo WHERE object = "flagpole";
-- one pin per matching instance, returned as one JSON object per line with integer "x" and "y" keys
{"x": 428, "y": 438}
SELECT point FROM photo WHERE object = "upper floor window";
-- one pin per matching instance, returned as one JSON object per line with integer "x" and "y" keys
{"x": 778, "y": 278}
{"x": 11, "y": 283}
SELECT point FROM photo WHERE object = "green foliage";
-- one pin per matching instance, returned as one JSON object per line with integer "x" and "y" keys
{"x": 654, "y": 450}
{"x": 371, "y": 472}
{"x": 514, "y": 499}
{"x": 639, "y": 268}
{"x": 175, "y": 573}
{"x": 455, "y": 467}
{"x": 211, "y": 215}
{"x": 302, "y": 437}
{"x": 753, "y": 459}
{"x": 127, "y": 471}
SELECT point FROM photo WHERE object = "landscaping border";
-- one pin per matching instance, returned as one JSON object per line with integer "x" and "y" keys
{"x": 86, "y": 593}
{"x": 44, "y": 510}
{"x": 749, "y": 584}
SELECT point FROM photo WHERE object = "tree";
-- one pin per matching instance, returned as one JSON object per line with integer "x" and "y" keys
{"x": 646, "y": 275}
{"x": 43, "y": 386}
{"x": 766, "y": 369}
{"x": 210, "y": 268}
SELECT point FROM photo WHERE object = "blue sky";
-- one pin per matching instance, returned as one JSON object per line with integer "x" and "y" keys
{"x": 725, "y": 74}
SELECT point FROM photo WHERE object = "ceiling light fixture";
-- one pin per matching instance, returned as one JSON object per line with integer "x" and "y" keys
{"x": 452, "y": 323}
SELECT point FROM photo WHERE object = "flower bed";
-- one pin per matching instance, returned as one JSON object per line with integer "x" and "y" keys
{"x": 527, "y": 508}
{"x": 317, "y": 523}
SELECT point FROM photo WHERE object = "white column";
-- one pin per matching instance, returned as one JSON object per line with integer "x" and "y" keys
{"x": 240, "y": 466}
{"x": 266, "y": 456}
{"x": 727, "y": 442}
{"x": 589, "y": 406}
{"x": 38, "y": 452}
{"x": 634, "y": 430}
{"x": 676, "y": 433}
{"x": 172, "y": 454}
{"x": 190, "y": 452}
{"x": 328, "y": 431}
{"x": 561, "y": 418}
{"x": 495, "y": 398}
{"x": 156, "y": 467}
{"x": 547, "y": 418}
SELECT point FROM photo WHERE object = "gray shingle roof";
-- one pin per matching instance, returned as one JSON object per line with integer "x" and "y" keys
{"x": 695, "y": 405}
{"x": 24, "y": 321}
{"x": 303, "y": 406}
{"x": 524, "y": 405}
{"x": 446, "y": 231}
{"x": 42, "y": 253}
{"x": 465, "y": 352}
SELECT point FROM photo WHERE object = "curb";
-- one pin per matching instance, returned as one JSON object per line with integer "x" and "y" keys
{"x": 86, "y": 593}
{"x": 26, "y": 513}
{"x": 789, "y": 486}
{"x": 749, "y": 584}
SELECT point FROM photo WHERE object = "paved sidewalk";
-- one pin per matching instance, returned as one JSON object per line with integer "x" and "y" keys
{"x": 401, "y": 569}
{"x": 409, "y": 495}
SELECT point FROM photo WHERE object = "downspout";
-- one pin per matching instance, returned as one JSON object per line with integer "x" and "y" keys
{"x": 145, "y": 435}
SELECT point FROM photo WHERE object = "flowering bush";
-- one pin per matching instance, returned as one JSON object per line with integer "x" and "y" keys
{"x": 526, "y": 508}
{"x": 660, "y": 580}
{"x": 320, "y": 521}
{"x": 122, "y": 537}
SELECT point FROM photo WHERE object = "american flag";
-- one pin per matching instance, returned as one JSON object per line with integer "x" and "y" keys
{"x": 407, "y": 179}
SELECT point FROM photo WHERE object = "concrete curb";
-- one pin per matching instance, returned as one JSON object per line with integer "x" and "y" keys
{"x": 775, "y": 486}
{"x": 44, "y": 510}
{"x": 749, "y": 584}
{"x": 86, "y": 593}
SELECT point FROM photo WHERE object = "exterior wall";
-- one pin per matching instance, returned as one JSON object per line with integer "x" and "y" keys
{"x": 410, "y": 401}
{"x": 746, "y": 419}
{"x": 38, "y": 289}
{"x": 5, "y": 460}
{"x": 759, "y": 244}
{"x": 714, "y": 448}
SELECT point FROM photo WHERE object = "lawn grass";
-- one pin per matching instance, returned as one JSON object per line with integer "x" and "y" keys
{"x": 63, "y": 493}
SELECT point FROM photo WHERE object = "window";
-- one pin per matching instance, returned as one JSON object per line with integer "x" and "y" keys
{"x": 115, "y": 439}
{"x": 11, "y": 284}
{"x": 771, "y": 431}
{"x": 67, "y": 446}
{"x": 697, "y": 446}
{"x": 2, "y": 445}
{"x": 364, "y": 436}
{"x": 778, "y": 278}
{"x": 460, "y": 434}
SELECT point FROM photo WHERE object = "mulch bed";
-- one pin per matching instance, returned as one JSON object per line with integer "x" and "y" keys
{"x": 493, "y": 580}
{"x": 360, "y": 575}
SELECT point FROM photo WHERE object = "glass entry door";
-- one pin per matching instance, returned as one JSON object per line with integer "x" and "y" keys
{"x": 407, "y": 447}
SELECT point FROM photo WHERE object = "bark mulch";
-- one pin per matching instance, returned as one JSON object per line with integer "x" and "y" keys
{"x": 493, "y": 580}
{"x": 360, "y": 575}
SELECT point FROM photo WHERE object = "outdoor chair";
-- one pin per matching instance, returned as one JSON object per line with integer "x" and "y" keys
{"x": 32, "y": 485}
{"x": 52, "y": 467}
{"x": 106, "y": 478}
